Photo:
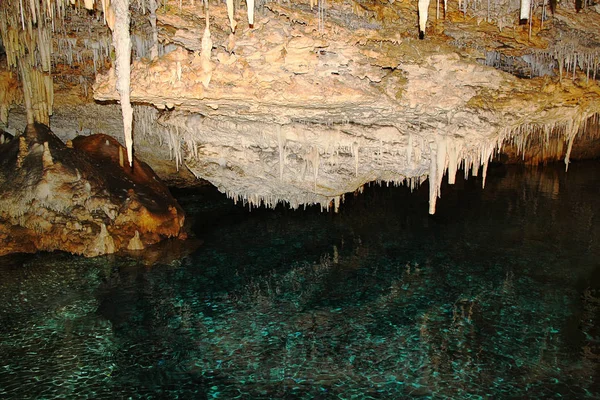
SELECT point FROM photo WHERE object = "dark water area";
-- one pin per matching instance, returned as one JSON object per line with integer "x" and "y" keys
{"x": 496, "y": 296}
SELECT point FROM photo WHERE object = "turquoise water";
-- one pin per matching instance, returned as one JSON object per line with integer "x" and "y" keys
{"x": 496, "y": 296}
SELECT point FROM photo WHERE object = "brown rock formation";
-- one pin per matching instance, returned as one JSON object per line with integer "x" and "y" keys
{"x": 79, "y": 198}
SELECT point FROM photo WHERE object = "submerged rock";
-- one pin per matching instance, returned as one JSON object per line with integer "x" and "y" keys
{"x": 80, "y": 197}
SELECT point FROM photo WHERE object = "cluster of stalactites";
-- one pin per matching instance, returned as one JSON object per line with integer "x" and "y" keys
{"x": 448, "y": 155}
{"x": 26, "y": 28}
{"x": 526, "y": 135}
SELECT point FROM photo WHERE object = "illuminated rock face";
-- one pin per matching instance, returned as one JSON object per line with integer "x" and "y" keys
{"x": 302, "y": 105}
{"x": 304, "y": 111}
{"x": 81, "y": 198}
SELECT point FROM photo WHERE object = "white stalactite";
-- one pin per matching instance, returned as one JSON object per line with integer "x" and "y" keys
{"x": 281, "y": 145}
{"x": 437, "y": 166}
{"x": 432, "y": 179}
{"x": 152, "y": 6}
{"x": 250, "y": 4}
{"x": 232, "y": 22}
{"x": 569, "y": 148}
{"x": 485, "y": 167}
{"x": 423, "y": 14}
{"x": 122, "y": 45}
{"x": 452, "y": 162}
{"x": 205, "y": 53}
{"x": 525, "y": 8}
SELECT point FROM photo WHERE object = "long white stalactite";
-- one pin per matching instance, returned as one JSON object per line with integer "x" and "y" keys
{"x": 122, "y": 45}
{"x": 525, "y": 9}
{"x": 250, "y": 4}
{"x": 423, "y": 15}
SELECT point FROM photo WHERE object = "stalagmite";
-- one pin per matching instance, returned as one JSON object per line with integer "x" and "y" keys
{"x": 47, "y": 161}
{"x": 23, "y": 151}
{"x": 423, "y": 12}
{"x": 135, "y": 243}
{"x": 122, "y": 45}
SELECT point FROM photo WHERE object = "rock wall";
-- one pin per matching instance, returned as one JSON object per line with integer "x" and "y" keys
{"x": 80, "y": 197}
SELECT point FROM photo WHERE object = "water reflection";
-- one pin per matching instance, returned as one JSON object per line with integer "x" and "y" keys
{"x": 497, "y": 295}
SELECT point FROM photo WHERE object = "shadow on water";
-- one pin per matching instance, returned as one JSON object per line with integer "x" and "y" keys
{"x": 495, "y": 296}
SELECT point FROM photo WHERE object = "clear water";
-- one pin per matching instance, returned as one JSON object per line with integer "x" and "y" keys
{"x": 496, "y": 296}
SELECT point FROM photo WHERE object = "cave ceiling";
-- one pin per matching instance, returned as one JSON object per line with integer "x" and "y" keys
{"x": 306, "y": 101}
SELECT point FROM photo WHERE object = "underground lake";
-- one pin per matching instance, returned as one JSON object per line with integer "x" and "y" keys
{"x": 497, "y": 295}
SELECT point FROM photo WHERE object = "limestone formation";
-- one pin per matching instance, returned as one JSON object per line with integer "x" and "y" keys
{"x": 79, "y": 199}
{"x": 302, "y": 104}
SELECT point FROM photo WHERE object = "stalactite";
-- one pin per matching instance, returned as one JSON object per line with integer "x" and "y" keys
{"x": 28, "y": 50}
{"x": 206, "y": 52}
{"x": 423, "y": 6}
{"x": 250, "y": 5}
{"x": 433, "y": 194}
{"x": 281, "y": 145}
{"x": 232, "y": 21}
{"x": 355, "y": 151}
{"x": 122, "y": 45}
{"x": 453, "y": 162}
{"x": 27, "y": 94}
{"x": 152, "y": 6}
{"x": 47, "y": 161}
{"x": 315, "y": 162}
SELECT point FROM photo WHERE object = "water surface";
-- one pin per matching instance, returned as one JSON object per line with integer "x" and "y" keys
{"x": 496, "y": 296}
